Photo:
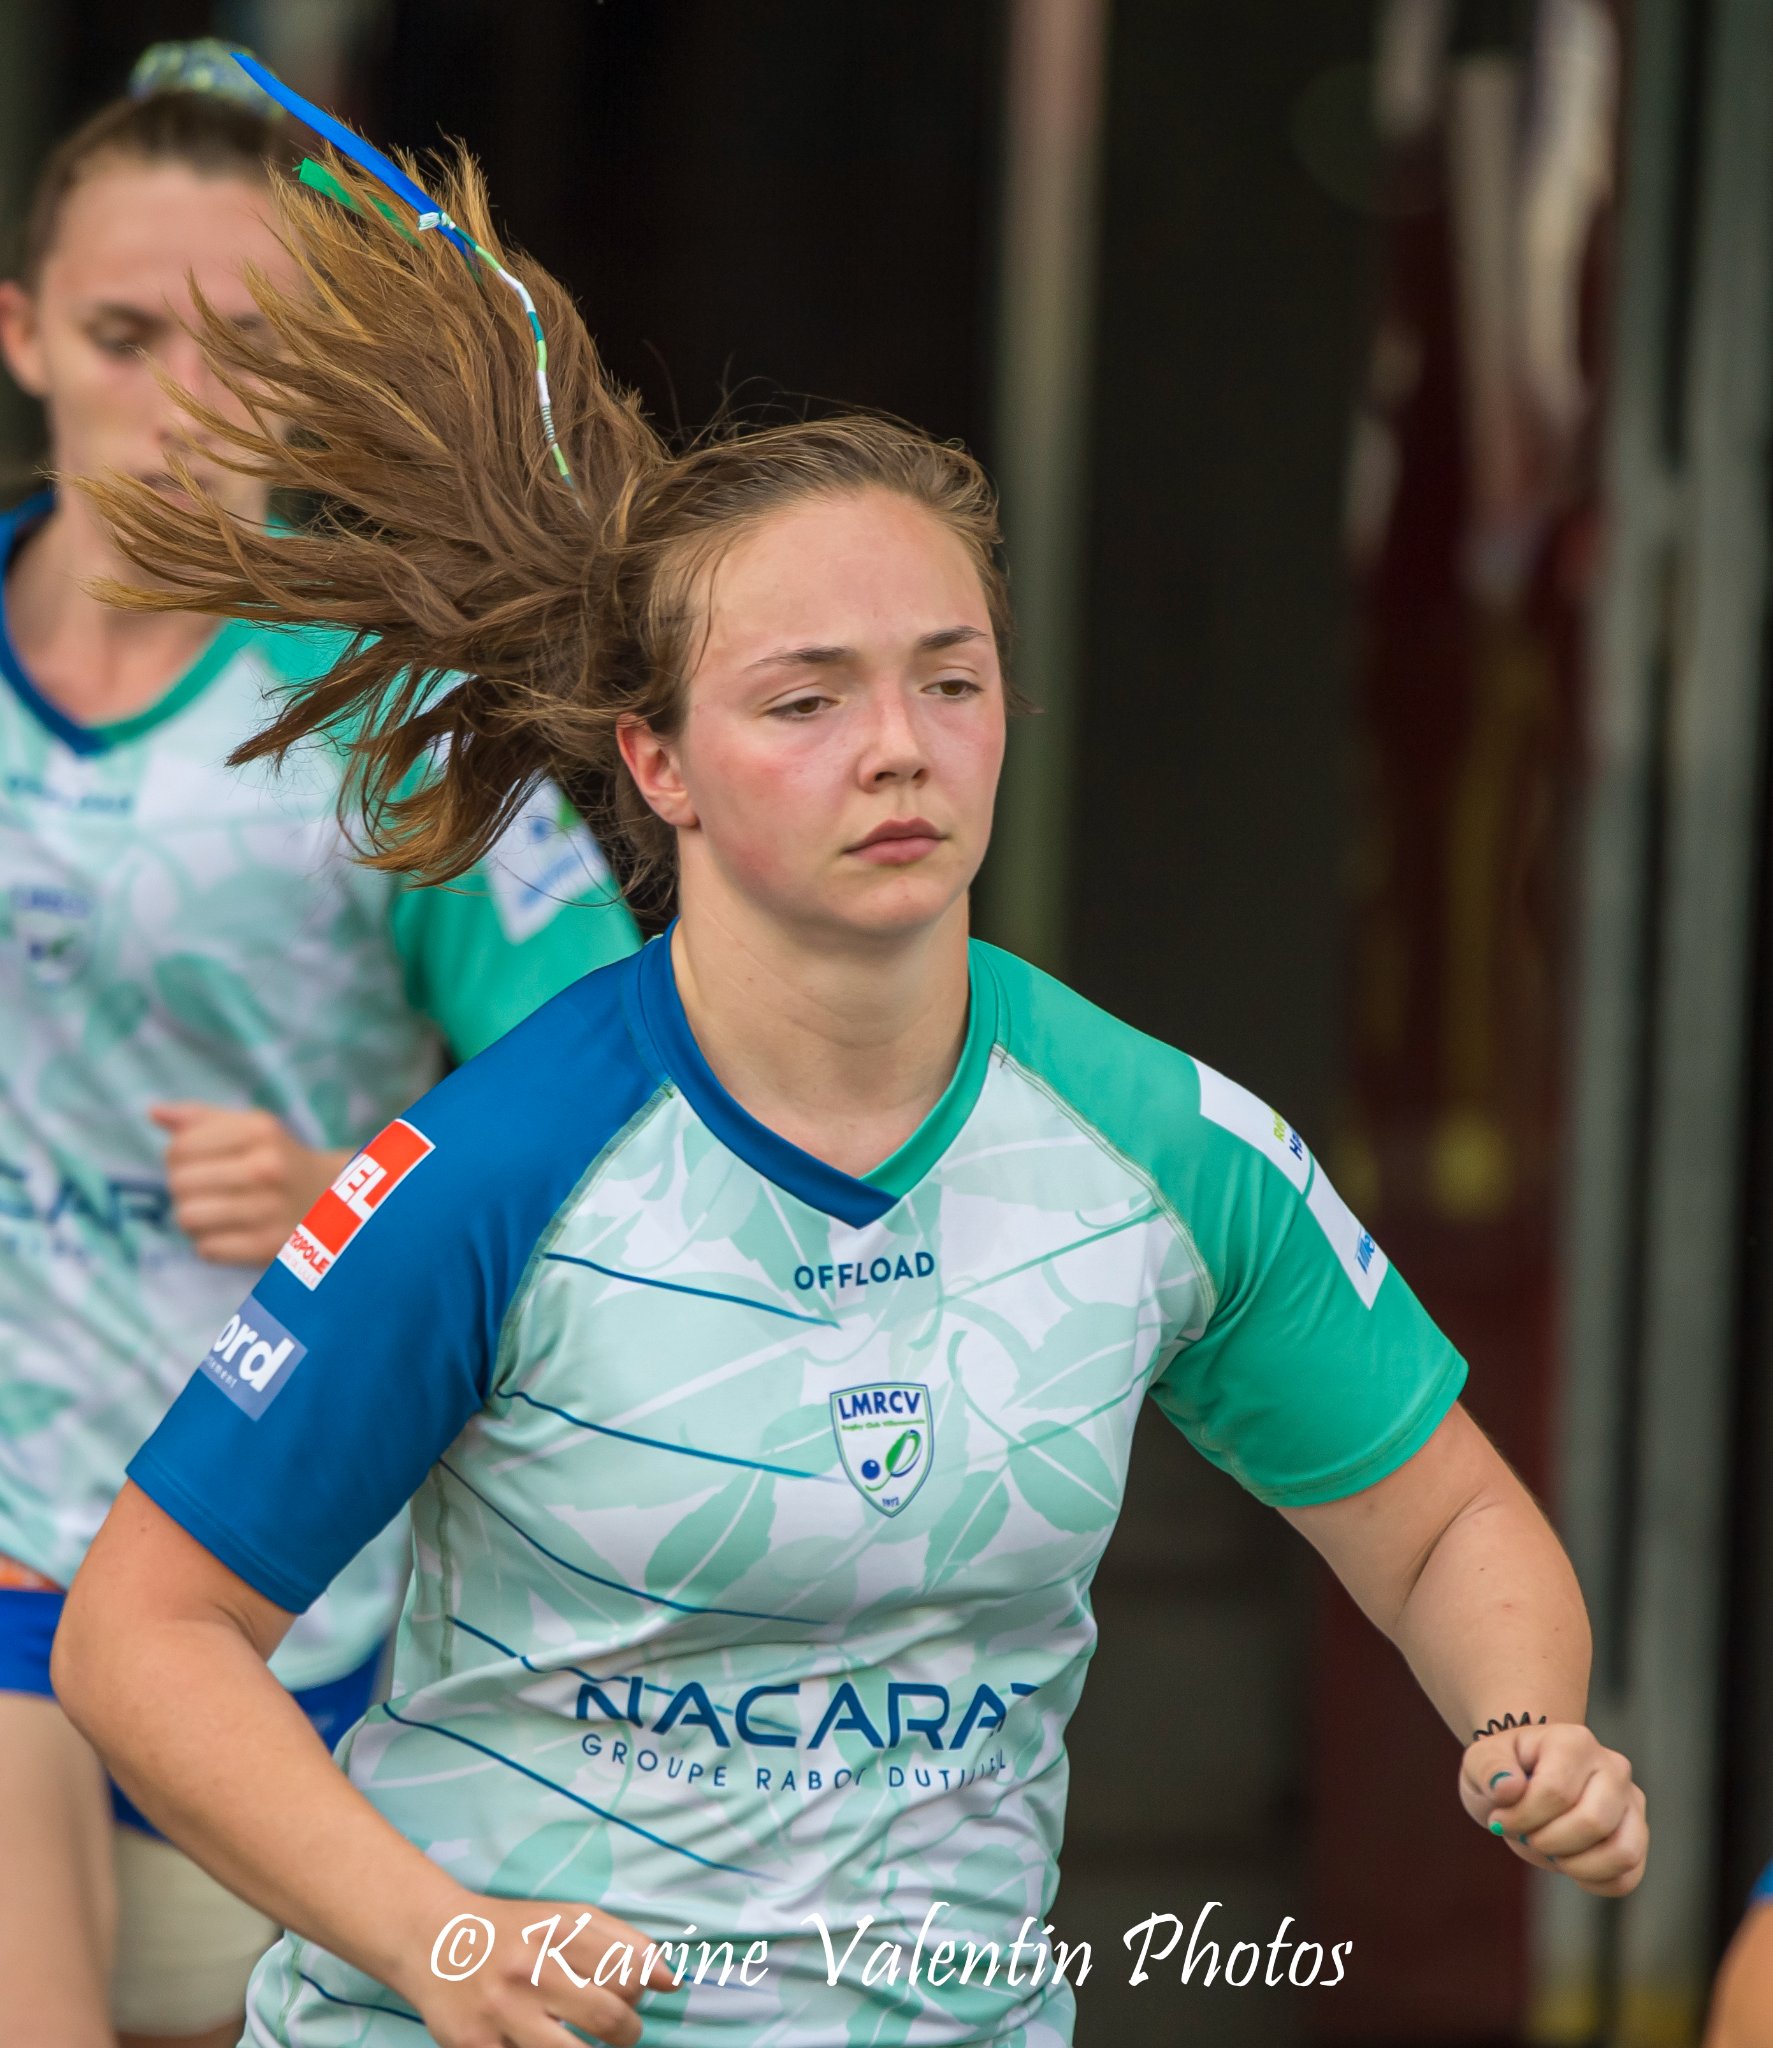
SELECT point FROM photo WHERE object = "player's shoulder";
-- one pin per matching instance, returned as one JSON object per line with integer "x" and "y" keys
{"x": 287, "y": 654}
{"x": 1102, "y": 1066}
{"x": 570, "y": 1073}
{"x": 1156, "y": 1103}
{"x": 1229, "y": 1164}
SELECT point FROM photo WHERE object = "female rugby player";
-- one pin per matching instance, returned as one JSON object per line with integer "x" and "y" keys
{"x": 206, "y": 1005}
{"x": 758, "y": 1331}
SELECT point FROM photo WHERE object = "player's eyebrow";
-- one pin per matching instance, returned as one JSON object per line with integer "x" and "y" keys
{"x": 950, "y": 636}
{"x": 123, "y": 311}
{"x": 120, "y": 309}
{"x": 834, "y": 657}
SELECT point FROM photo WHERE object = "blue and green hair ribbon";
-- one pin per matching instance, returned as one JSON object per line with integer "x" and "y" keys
{"x": 386, "y": 172}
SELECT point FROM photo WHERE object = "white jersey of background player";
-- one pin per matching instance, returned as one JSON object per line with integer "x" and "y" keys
{"x": 206, "y": 1007}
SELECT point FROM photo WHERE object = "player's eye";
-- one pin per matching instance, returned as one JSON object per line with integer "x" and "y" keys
{"x": 119, "y": 342}
{"x": 797, "y": 710}
{"x": 957, "y": 687}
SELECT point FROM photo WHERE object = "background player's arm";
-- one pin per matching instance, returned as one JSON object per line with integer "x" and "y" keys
{"x": 240, "y": 1180}
{"x": 477, "y": 957}
{"x": 160, "y": 1662}
{"x": 1742, "y": 2008}
{"x": 1452, "y": 1559}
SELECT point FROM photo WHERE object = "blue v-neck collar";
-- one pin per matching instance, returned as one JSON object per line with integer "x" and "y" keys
{"x": 664, "y": 1030}
{"x": 16, "y": 526}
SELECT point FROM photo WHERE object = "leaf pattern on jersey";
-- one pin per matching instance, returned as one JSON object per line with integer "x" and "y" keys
{"x": 114, "y": 1015}
{"x": 715, "y": 1544}
{"x": 233, "y": 952}
{"x": 1053, "y": 1287}
{"x": 1062, "y": 1476}
{"x": 563, "y": 1859}
{"x": 28, "y": 1405}
{"x": 215, "y": 1004}
{"x": 968, "y": 1525}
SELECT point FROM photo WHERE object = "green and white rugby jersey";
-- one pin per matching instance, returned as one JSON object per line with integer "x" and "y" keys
{"x": 173, "y": 929}
{"x": 756, "y": 1505}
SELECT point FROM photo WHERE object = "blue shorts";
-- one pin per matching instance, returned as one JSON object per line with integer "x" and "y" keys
{"x": 27, "y": 1629}
{"x": 1762, "y": 1895}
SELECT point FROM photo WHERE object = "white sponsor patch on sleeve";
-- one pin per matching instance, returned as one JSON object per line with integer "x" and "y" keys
{"x": 544, "y": 858}
{"x": 1360, "y": 1258}
{"x": 252, "y": 1357}
{"x": 1246, "y": 1116}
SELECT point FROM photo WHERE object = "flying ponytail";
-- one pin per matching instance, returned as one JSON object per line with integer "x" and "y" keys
{"x": 397, "y": 388}
{"x": 504, "y": 622}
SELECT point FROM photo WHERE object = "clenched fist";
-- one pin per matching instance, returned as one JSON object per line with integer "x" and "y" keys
{"x": 240, "y": 1181}
{"x": 1562, "y": 1802}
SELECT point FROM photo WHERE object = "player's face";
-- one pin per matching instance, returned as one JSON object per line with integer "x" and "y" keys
{"x": 839, "y": 755}
{"x": 109, "y": 308}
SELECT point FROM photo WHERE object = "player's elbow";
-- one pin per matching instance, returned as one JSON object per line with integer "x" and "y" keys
{"x": 119, "y": 1597}
{"x": 147, "y": 1615}
{"x": 91, "y": 1645}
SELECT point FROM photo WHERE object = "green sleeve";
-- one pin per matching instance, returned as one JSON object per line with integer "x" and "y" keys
{"x": 1317, "y": 1371}
{"x": 481, "y": 953}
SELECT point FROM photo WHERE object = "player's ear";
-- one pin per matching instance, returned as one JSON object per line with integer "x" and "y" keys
{"x": 21, "y": 338}
{"x": 657, "y": 772}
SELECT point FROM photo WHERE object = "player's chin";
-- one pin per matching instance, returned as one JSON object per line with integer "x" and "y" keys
{"x": 900, "y": 901}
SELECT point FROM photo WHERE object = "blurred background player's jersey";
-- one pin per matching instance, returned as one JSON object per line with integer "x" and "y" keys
{"x": 172, "y": 929}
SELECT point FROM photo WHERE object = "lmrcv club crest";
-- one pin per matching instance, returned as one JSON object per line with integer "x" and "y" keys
{"x": 886, "y": 1437}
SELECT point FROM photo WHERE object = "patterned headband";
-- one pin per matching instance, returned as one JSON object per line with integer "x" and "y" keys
{"x": 205, "y": 66}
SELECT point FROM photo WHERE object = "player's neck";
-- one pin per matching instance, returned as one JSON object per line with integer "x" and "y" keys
{"x": 91, "y": 661}
{"x": 842, "y": 1053}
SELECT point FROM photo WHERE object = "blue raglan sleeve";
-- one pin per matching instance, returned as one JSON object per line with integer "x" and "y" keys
{"x": 369, "y": 1342}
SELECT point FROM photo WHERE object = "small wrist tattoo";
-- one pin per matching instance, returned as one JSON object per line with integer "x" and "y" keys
{"x": 1508, "y": 1721}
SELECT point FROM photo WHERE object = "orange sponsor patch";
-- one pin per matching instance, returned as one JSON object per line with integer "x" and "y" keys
{"x": 320, "y": 1238}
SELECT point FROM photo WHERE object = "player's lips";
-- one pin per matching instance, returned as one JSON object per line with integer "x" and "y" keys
{"x": 898, "y": 842}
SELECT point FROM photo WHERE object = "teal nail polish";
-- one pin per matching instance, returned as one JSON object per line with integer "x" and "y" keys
{"x": 1496, "y": 1828}
{"x": 1497, "y": 1780}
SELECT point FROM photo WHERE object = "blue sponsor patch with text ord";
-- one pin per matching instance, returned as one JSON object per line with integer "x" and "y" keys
{"x": 253, "y": 1356}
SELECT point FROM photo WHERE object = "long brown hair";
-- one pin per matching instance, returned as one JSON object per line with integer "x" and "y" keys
{"x": 504, "y": 624}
